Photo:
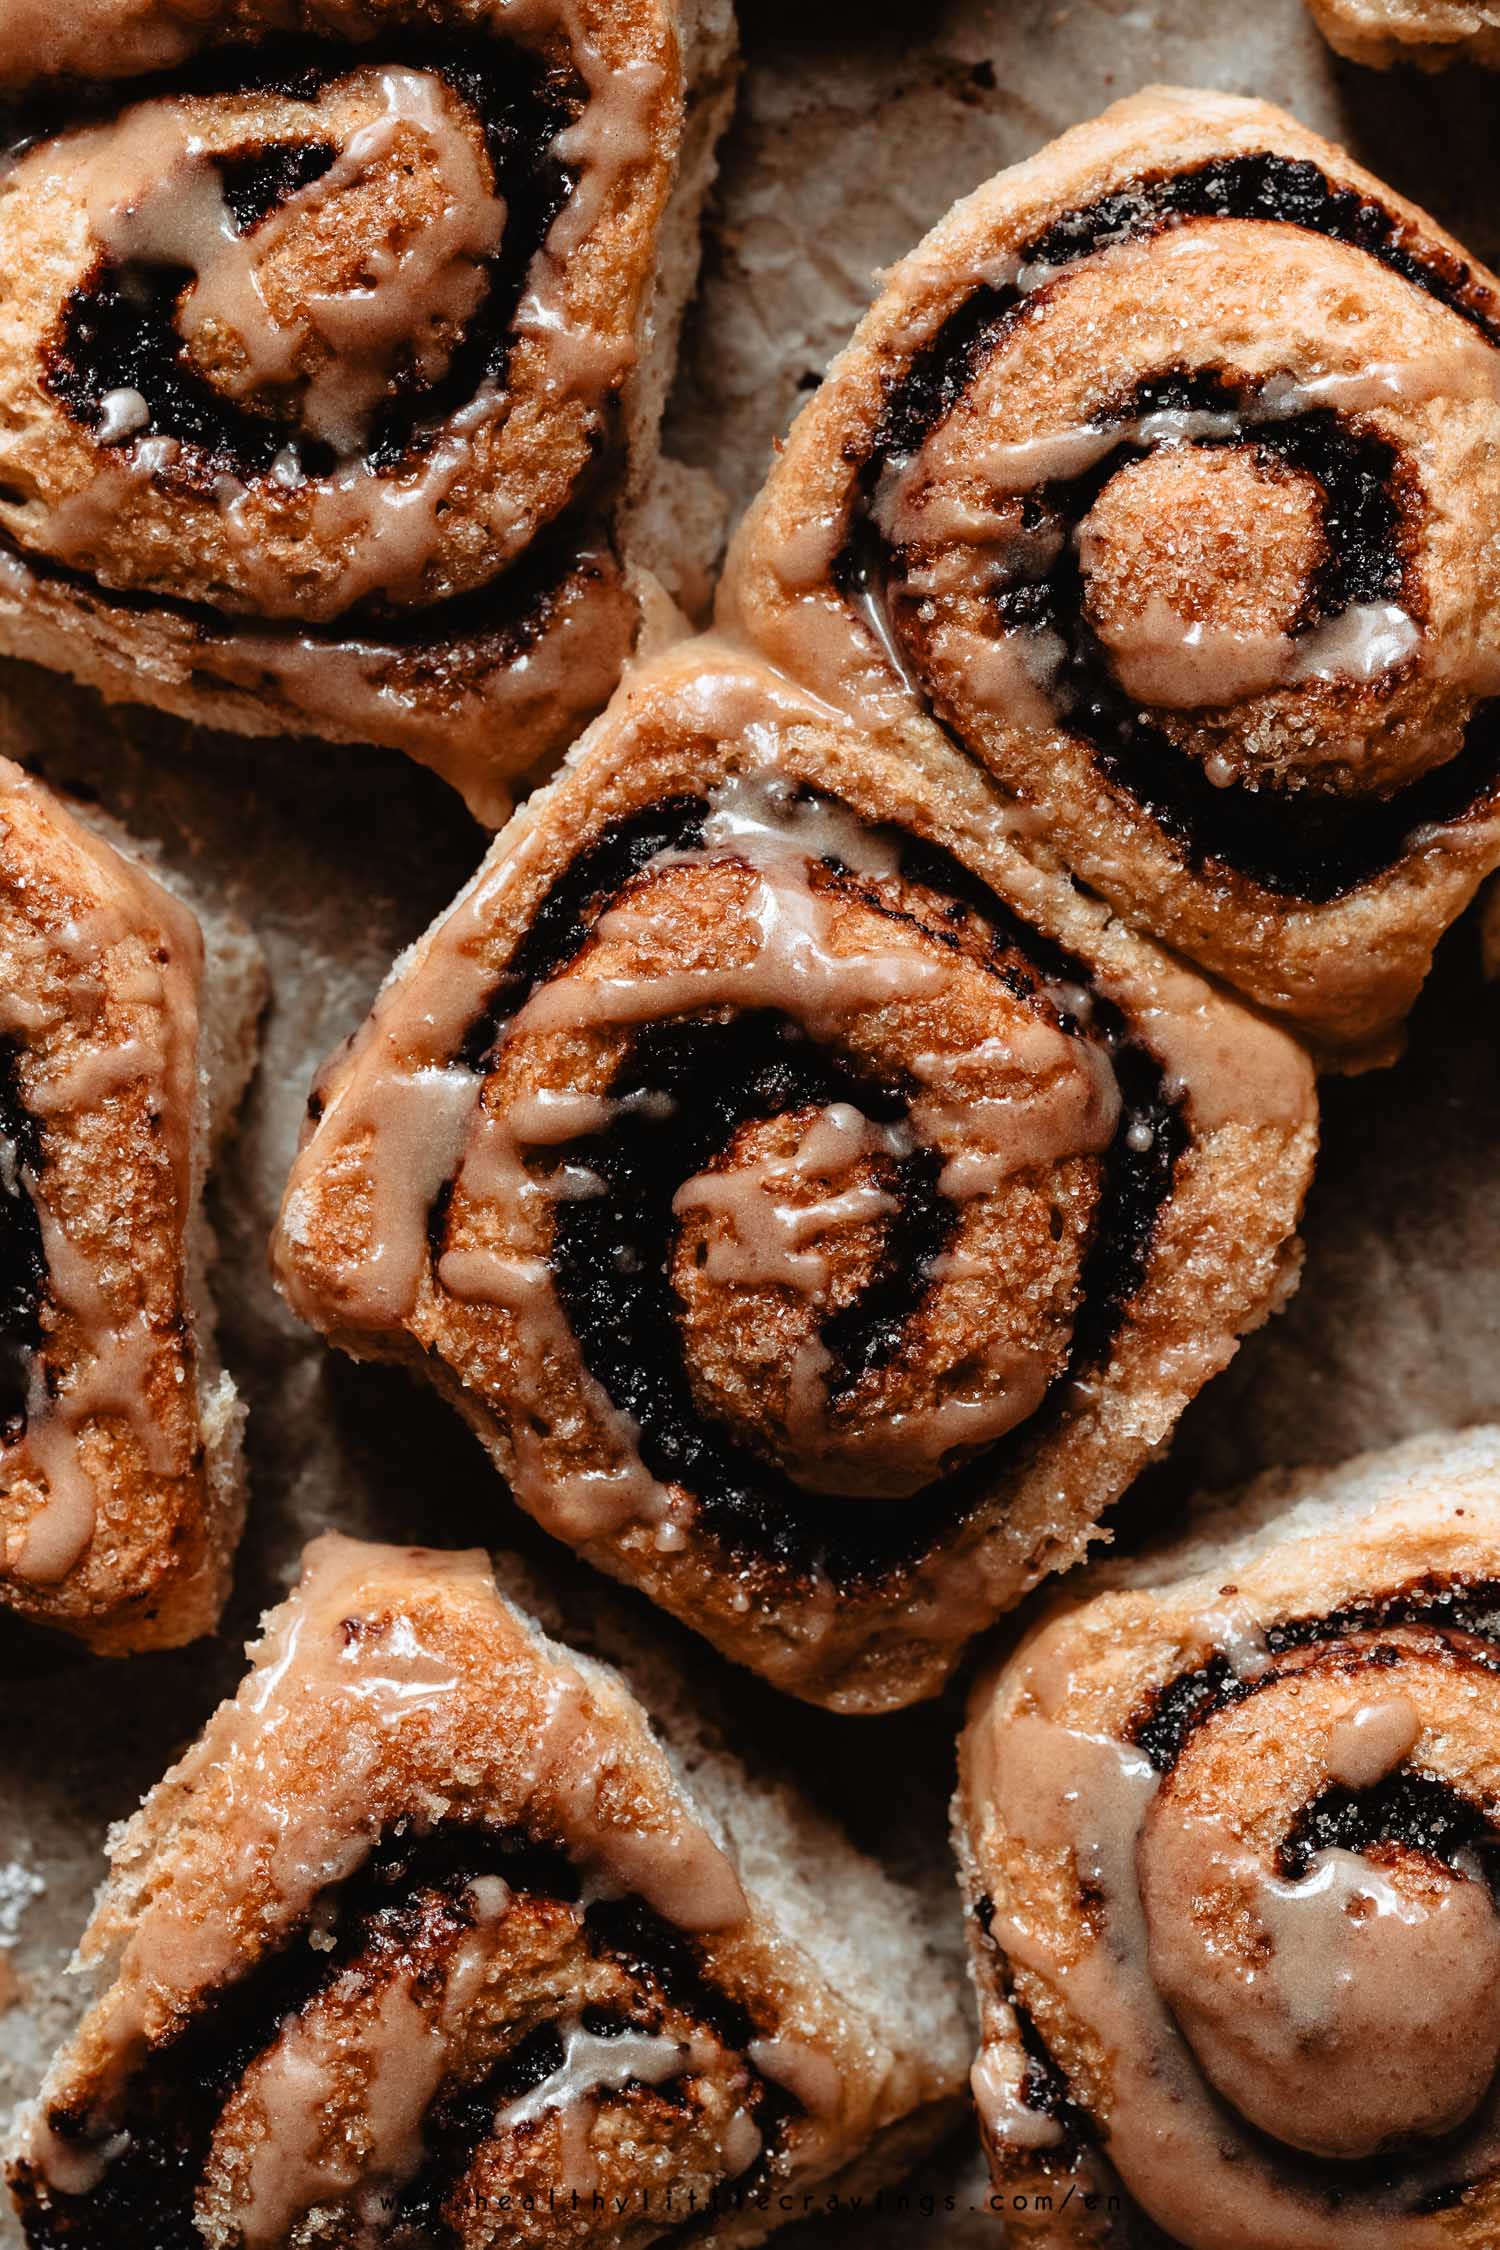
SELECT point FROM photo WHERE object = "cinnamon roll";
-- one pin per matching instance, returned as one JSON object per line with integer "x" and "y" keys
{"x": 1229, "y": 1838}
{"x": 1431, "y": 33}
{"x": 817, "y": 1211}
{"x": 122, "y": 1053}
{"x": 1164, "y": 478}
{"x": 335, "y": 347}
{"x": 427, "y": 1941}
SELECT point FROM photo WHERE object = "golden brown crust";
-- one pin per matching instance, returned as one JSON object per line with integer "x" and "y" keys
{"x": 1430, "y": 33}
{"x": 427, "y": 1907}
{"x": 119, "y": 1497}
{"x": 1134, "y": 578}
{"x": 370, "y": 472}
{"x": 869, "y": 1516}
{"x": 1224, "y": 1841}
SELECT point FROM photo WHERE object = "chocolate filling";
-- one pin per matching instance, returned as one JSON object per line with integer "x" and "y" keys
{"x": 498, "y": 622}
{"x": 1405, "y": 1813}
{"x": 117, "y": 331}
{"x": 1466, "y": 1614}
{"x": 1305, "y": 842}
{"x": 178, "y": 2090}
{"x": 23, "y": 1260}
{"x": 611, "y": 1251}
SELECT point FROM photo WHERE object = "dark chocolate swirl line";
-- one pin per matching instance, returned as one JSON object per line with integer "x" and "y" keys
{"x": 1405, "y": 1816}
{"x": 1408, "y": 1809}
{"x": 1303, "y": 842}
{"x": 117, "y": 331}
{"x": 1285, "y": 190}
{"x": 610, "y": 1253}
{"x": 409, "y": 1895}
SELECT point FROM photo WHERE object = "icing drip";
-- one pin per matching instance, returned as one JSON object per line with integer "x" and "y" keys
{"x": 997, "y": 1108}
{"x": 1350, "y": 2008}
{"x": 808, "y": 2075}
{"x": 967, "y": 546}
{"x": 593, "y": 2065}
{"x": 1003, "y": 1115}
{"x": 782, "y": 955}
{"x": 927, "y": 547}
{"x": 124, "y": 415}
{"x": 338, "y": 1646}
{"x": 1371, "y": 1740}
{"x": 680, "y": 1871}
{"x": 1176, "y": 664}
{"x": 1232, "y": 1630}
{"x": 437, "y": 236}
{"x": 793, "y": 967}
{"x": 355, "y": 1981}
{"x": 494, "y": 1173}
{"x": 1057, "y": 1112}
{"x": 1007, "y": 2118}
{"x": 424, "y": 1118}
{"x": 401, "y": 2046}
{"x": 771, "y": 1240}
{"x": 1376, "y": 2014}
{"x": 155, "y": 196}
{"x": 905, "y": 508}
{"x": 105, "y": 1007}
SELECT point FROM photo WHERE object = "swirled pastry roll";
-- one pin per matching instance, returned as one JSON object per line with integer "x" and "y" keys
{"x": 122, "y": 1054}
{"x": 1164, "y": 478}
{"x": 333, "y": 354}
{"x": 1228, "y": 1834}
{"x": 431, "y": 1939}
{"x": 818, "y": 1212}
{"x": 1431, "y": 33}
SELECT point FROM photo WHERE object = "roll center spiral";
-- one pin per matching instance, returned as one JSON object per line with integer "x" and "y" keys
{"x": 23, "y": 1264}
{"x": 1198, "y": 564}
{"x": 1343, "y": 1996}
{"x": 312, "y": 278}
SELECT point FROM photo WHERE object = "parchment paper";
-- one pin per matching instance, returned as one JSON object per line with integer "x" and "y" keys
{"x": 861, "y": 121}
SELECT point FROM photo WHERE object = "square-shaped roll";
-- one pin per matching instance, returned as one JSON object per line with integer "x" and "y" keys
{"x": 437, "y": 1935}
{"x": 1164, "y": 477}
{"x": 333, "y": 354}
{"x": 1228, "y": 1836}
{"x": 819, "y": 1212}
{"x": 127, "y": 1033}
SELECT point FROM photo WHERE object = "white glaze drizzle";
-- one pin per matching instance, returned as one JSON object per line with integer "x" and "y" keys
{"x": 401, "y": 2046}
{"x": 151, "y": 188}
{"x": 116, "y": 1023}
{"x": 781, "y": 836}
{"x": 155, "y": 194}
{"x": 1358, "y": 1965}
{"x": 289, "y": 1846}
{"x": 997, "y": 2082}
{"x": 1372, "y": 1739}
{"x": 844, "y": 642}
